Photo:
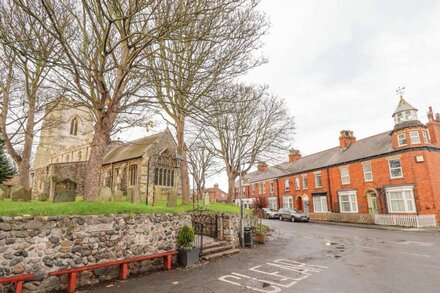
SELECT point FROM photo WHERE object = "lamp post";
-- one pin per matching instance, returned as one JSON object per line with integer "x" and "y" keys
{"x": 241, "y": 190}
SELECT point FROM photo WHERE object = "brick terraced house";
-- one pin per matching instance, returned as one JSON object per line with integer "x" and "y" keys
{"x": 389, "y": 178}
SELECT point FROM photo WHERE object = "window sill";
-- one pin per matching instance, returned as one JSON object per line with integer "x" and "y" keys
{"x": 356, "y": 212}
{"x": 393, "y": 178}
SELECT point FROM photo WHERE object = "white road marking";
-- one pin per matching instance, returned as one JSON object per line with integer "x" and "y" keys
{"x": 295, "y": 271}
{"x": 416, "y": 254}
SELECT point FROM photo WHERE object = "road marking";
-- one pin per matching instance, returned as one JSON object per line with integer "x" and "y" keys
{"x": 416, "y": 254}
{"x": 291, "y": 273}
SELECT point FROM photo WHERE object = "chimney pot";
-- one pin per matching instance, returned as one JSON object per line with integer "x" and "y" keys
{"x": 346, "y": 138}
{"x": 294, "y": 155}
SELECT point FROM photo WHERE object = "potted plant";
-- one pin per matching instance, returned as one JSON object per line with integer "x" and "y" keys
{"x": 187, "y": 254}
{"x": 259, "y": 204}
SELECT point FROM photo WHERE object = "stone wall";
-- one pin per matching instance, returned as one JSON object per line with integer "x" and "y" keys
{"x": 43, "y": 244}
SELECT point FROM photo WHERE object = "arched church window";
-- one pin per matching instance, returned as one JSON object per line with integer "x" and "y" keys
{"x": 74, "y": 126}
{"x": 79, "y": 156}
{"x": 67, "y": 158}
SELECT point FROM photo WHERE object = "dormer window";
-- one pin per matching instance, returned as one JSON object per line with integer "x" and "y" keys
{"x": 415, "y": 137}
{"x": 74, "y": 126}
{"x": 401, "y": 139}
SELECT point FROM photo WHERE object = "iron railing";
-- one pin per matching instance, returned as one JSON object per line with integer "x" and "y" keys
{"x": 199, "y": 229}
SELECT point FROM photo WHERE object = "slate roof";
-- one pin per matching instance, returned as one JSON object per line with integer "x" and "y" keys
{"x": 368, "y": 147}
{"x": 403, "y": 106}
{"x": 131, "y": 150}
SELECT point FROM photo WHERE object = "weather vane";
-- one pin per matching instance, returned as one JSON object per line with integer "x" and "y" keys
{"x": 400, "y": 90}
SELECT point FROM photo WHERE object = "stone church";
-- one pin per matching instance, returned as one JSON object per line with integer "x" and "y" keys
{"x": 64, "y": 149}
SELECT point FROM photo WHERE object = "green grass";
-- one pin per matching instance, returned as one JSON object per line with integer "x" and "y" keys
{"x": 80, "y": 207}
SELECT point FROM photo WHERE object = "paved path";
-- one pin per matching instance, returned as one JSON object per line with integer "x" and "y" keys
{"x": 301, "y": 257}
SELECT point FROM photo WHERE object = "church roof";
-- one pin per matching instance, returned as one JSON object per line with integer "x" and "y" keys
{"x": 403, "y": 106}
{"x": 376, "y": 145}
{"x": 131, "y": 150}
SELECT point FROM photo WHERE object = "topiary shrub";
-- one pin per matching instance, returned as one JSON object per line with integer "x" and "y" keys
{"x": 185, "y": 237}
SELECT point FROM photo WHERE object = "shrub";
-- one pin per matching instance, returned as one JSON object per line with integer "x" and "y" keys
{"x": 185, "y": 237}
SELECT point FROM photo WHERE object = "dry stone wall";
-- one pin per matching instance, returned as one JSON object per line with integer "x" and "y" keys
{"x": 40, "y": 245}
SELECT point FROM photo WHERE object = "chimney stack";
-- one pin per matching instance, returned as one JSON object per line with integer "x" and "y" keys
{"x": 294, "y": 155}
{"x": 346, "y": 138}
{"x": 433, "y": 126}
{"x": 430, "y": 114}
{"x": 262, "y": 166}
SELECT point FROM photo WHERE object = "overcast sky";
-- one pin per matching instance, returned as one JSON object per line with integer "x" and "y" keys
{"x": 338, "y": 65}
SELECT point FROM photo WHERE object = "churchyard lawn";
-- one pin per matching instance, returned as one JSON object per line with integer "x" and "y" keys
{"x": 80, "y": 207}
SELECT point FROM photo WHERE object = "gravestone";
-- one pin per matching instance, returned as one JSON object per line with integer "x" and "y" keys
{"x": 134, "y": 195}
{"x": 105, "y": 194}
{"x": 21, "y": 193}
{"x": 119, "y": 196}
{"x": 7, "y": 191}
{"x": 44, "y": 196}
{"x": 65, "y": 191}
{"x": 2, "y": 194}
{"x": 206, "y": 199}
{"x": 172, "y": 198}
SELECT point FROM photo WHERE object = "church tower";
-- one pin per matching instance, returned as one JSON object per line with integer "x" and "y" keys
{"x": 408, "y": 130}
{"x": 67, "y": 131}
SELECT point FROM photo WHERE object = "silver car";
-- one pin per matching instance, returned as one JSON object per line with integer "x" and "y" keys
{"x": 270, "y": 214}
{"x": 292, "y": 214}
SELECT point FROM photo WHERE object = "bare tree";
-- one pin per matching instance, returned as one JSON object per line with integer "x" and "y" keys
{"x": 103, "y": 45}
{"x": 255, "y": 127}
{"x": 203, "y": 163}
{"x": 215, "y": 47}
{"x": 25, "y": 47}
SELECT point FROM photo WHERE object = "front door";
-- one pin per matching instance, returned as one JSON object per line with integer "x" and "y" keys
{"x": 372, "y": 203}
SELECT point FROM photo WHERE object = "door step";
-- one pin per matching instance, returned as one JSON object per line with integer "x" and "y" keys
{"x": 214, "y": 244}
{"x": 216, "y": 249}
{"x": 220, "y": 254}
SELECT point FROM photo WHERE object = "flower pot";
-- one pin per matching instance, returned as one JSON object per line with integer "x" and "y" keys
{"x": 188, "y": 257}
{"x": 260, "y": 238}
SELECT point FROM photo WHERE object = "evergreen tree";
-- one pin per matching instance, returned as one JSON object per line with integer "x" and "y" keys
{"x": 7, "y": 171}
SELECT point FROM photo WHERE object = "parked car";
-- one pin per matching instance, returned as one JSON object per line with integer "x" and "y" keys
{"x": 270, "y": 214}
{"x": 293, "y": 215}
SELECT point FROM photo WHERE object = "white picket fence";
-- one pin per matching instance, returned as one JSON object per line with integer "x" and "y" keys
{"x": 414, "y": 221}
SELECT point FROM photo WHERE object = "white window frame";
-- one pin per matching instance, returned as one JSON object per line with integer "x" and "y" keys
{"x": 289, "y": 200}
{"x": 286, "y": 185}
{"x": 273, "y": 203}
{"x": 316, "y": 179}
{"x": 414, "y": 136}
{"x": 352, "y": 200}
{"x": 425, "y": 136}
{"x": 407, "y": 193}
{"x": 345, "y": 175}
{"x": 260, "y": 188}
{"x": 263, "y": 189}
{"x": 321, "y": 202}
{"x": 304, "y": 181}
{"x": 297, "y": 184}
{"x": 370, "y": 173}
{"x": 272, "y": 188}
{"x": 402, "y": 137}
{"x": 392, "y": 168}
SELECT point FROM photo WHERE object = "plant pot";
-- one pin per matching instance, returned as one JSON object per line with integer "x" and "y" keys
{"x": 260, "y": 238}
{"x": 188, "y": 257}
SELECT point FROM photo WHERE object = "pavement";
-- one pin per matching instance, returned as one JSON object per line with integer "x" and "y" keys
{"x": 309, "y": 257}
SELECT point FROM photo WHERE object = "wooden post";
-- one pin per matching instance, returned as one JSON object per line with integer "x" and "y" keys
{"x": 167, "y": 261}
{"x": 71, "y": 285}
{"x": 123, "y": 272}
{"x": 19, "y": 287}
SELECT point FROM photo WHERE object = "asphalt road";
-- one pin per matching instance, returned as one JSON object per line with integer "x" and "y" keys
{"x": 306, "y": 257}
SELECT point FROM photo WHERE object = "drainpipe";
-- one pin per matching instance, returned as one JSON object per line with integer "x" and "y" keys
{"x": 278, "y": 193}
{"x": 329, "y": 190}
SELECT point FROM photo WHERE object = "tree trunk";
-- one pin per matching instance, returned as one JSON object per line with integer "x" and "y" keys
{"x": 100, "y": 141}
{"x": 25, "y": 164}
{"x": 231, "y": 187}
{"x": 181, "y": 151}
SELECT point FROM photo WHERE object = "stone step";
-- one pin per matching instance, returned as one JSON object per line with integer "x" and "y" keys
{"x": 220, "y": 254}
{"x": 216, "y": 249}
{"x": 214, "y": 244}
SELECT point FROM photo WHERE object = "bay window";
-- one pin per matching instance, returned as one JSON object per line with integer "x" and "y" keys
{"x": 348, "y": 201}
{"x": 320, "y": 204}
{"x": 400, "y": 199}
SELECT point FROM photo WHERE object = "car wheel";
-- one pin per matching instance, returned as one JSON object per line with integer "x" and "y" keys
{"x": 281, "y": 218}
{"x": 293, "y": 219}
{"x": 267, "y": 216}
